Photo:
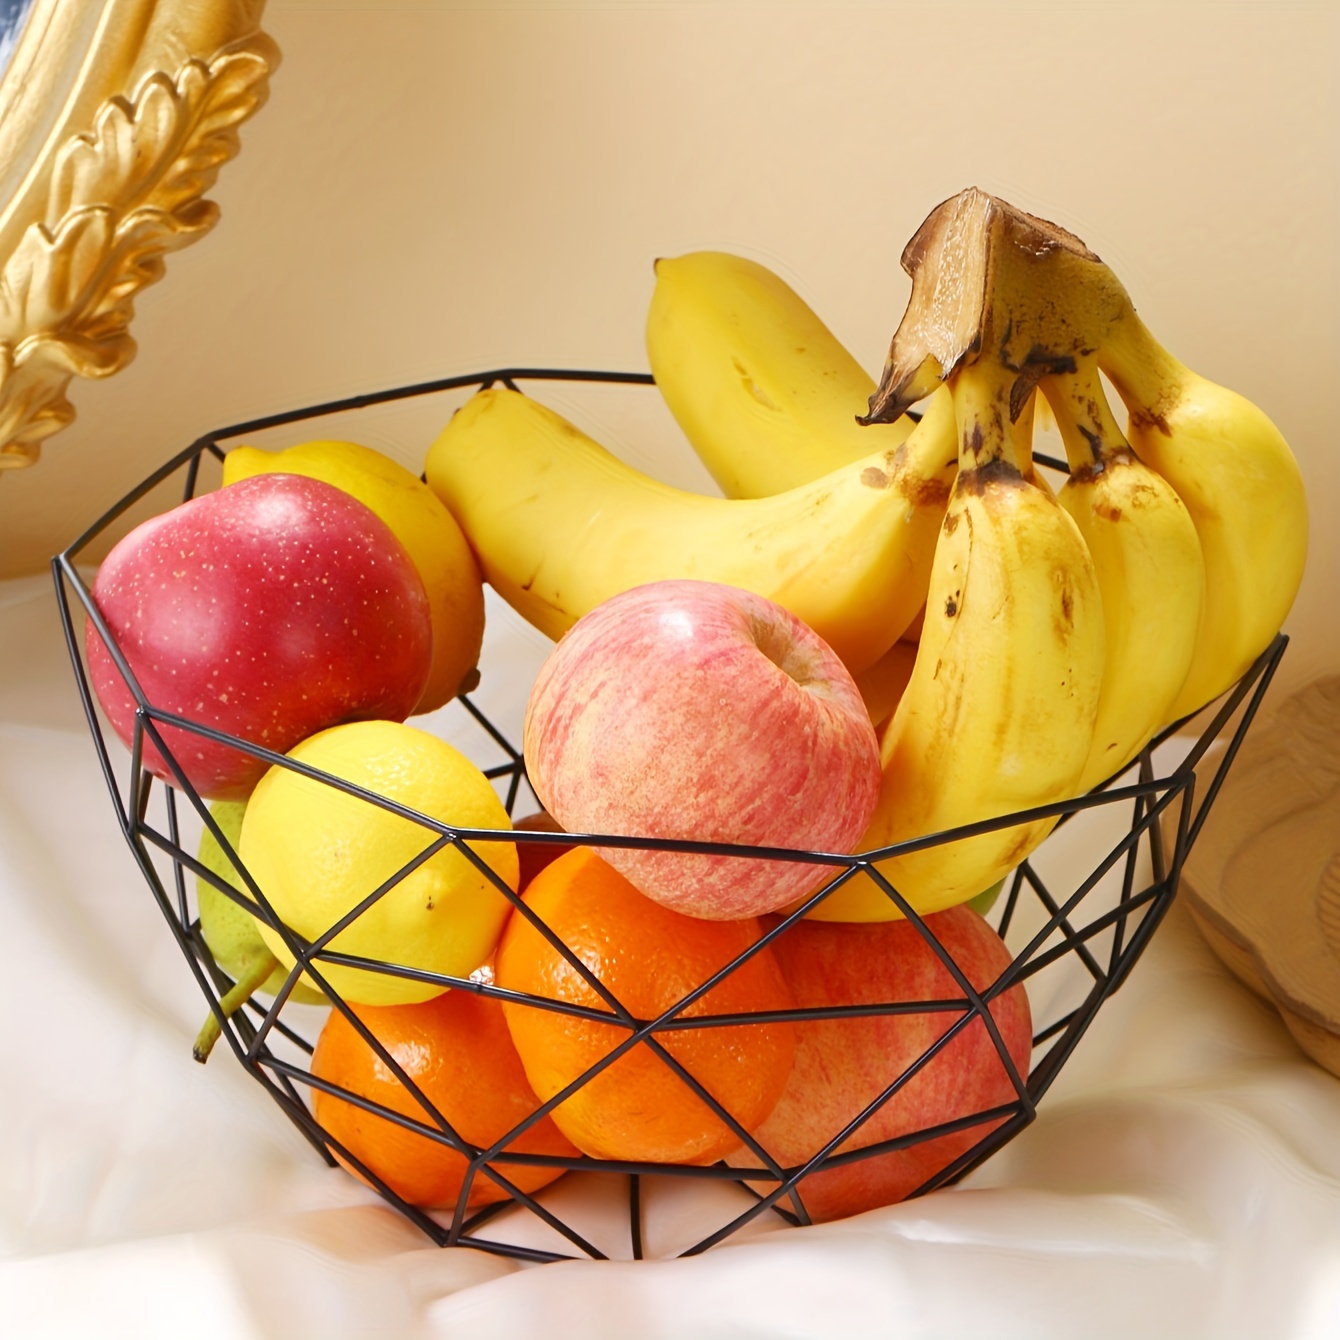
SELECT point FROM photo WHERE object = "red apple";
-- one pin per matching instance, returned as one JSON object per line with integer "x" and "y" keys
{"x": 686, "y": 709}
{"x": 269, "y": 610}
{"x": 843, "y": 1065}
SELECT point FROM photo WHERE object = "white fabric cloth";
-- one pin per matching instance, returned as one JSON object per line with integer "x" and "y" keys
{"x": 1182, "y": 1177}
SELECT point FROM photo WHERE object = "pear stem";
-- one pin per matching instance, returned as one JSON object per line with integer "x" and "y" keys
{"x": 242, "y": 991}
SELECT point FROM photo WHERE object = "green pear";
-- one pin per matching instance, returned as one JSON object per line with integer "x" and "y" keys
{"x": 986, "y": 900}
{"x": 233, "y": 934}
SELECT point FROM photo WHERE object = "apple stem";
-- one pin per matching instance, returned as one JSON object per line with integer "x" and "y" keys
{"x": 242, "y": 991}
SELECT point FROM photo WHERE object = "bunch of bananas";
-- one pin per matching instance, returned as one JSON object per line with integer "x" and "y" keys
{"x": 1018, "y": 645}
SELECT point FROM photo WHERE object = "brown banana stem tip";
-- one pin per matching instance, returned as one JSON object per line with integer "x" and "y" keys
{"x": 989, "y": 278}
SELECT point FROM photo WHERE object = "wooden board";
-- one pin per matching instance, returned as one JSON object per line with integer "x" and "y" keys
{"x": 1263, "y": 880}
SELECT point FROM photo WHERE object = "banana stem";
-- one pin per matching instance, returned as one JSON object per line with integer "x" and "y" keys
{"x": 1148, "y": 378}
{"x": 243, "y": 989}
{"x": 982, "y": 408}
{"x": 1087, "y": 425}
{"x": 916, "y": 387}
{"x": 1021, "y": 434}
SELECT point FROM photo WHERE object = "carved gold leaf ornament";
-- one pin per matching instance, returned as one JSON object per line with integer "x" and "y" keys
{"x": 121, "y": 196}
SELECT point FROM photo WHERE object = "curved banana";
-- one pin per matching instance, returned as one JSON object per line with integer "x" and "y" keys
{"x": 884, "y": 683}
{"x": 763, "y": 390}
{"x": 999, "y": 713}
{"x": 1149, "y": 566}
{"x": 1234, "y": 471}
{"x": 560, "y": 525}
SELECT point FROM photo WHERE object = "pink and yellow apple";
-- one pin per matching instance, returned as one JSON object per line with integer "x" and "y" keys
{"x": 695, "y": 710}
{"x": 842, "y": 1065}
{"x": 268, "y": 610}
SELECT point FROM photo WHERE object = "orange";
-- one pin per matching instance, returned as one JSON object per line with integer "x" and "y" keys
{"x": 650, "y": 958}
{"x": 456, "y": 1048}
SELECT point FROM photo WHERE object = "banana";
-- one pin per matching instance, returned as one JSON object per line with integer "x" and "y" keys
{"x": 883, "y": 684}
{"x": 1150, "y": 571}
{"x": 560, "y": 525}
{"x": 1240, "y": 482}
{"x": 999, "y": 712}
{"x": 984, "y": 270}
{"x": 763, "y": 390}
{"x": 1002, "y": 710}
{"x": 1021, "y": 436}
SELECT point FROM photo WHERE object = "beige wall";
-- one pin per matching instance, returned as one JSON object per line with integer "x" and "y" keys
{"x": 435, "y": 189}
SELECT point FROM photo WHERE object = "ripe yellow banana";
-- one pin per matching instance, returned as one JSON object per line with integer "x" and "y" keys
{"x": 1000, "y": 709}
{"x": 1005, "y": 692}
{"x": 560, "y": 525}
{"x": 884, "y": 683}
{"x": 1150, "y": 571}
{"x": 763, "y": 390}
{"x": 1241, "y": 484}
{"x": 982, "y": 269}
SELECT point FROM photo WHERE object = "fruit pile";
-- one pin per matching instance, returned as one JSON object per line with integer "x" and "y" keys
{"x": 889, "y": 627}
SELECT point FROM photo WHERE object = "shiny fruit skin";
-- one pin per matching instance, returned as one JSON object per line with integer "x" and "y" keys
{"x": 268, "y": 610}
{"x": 697, "y": 710}
{"x": 999, "y": 711}
{"x": 317, "y": 852}
{"x": 764, "y": 391}
{"x": 429, "y": 533}
{"x": 457, "y": 1050}
{"x": 842, "y": 1065}
{"x": 650, "y": 958}
{"x": 849, "y": 553}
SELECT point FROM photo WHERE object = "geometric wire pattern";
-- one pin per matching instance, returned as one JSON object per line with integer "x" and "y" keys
{"x": 1094, "y": 929}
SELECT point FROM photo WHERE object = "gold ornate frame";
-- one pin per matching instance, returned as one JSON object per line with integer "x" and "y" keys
{"x": 115, "y": 118}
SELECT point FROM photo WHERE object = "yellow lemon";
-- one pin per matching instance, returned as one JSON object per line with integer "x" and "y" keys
{"x": 317, "y": 853}
{"x": 421, "y": 523}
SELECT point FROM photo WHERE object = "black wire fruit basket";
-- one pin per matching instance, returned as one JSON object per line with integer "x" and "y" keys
{"x": 1073, "y": 940}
